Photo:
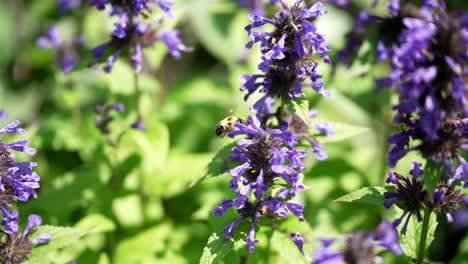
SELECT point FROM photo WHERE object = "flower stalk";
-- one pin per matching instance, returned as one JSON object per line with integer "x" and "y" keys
{"x": 423, "y": 239}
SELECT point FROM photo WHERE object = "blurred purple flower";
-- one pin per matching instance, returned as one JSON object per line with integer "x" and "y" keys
{"x": 66, "y": 54}
{"x": 359, "y": 247}
{"x": 104, "y": 115}
{"x": 133, "y": 32}
{"x": 67, "y": 5}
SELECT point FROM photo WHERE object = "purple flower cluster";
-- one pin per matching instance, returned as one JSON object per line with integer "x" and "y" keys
{"x": 287, "y": 51}
{"x": 18, "y": 180}
{"x": 257, "y": 7}
{"x": 268, "y": 162}
{"x": 359, "y": 247}
{"x": 15, "y": 247}
{"x": 66, "y": 54}
{"x": 267, "y": 157}
{"x": 429, "y": 74}
{"x": 412, "y": 197}
{"x": 132, "y": 32}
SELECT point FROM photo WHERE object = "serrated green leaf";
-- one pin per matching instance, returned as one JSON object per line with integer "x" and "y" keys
{"x": 286, "y": 248}
{"x": 216, "y": 165}
{"x": 343, "y": 131}
{"x": 301, "y": 109}
{"x": 217, "y": 250}
{"x": 410, "y": 241}
{"x": 370, "y": 195}
{"x": 61, "y": 237}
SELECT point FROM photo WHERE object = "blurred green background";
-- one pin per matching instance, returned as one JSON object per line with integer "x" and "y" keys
{"x": 138, "y": 192}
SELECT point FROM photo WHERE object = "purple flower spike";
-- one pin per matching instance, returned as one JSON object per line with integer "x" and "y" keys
{"x": 18, "y": 180}
{"x": 428, "y": 58}
{"x": 287, "y": 53}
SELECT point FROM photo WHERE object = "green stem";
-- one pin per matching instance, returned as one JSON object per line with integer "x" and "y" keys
{"x": 422, "y": 240}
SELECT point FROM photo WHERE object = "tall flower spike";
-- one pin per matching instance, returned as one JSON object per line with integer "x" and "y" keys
{"x": 132, "y": 32}
{"x": 429, "y": 74}
{"x": 410, "y": 195}
{"x": 16, "y": 247}
{"x": 359, "y": 247}
{"x": 287, "y": 51}
{"x": 18, "y": 180}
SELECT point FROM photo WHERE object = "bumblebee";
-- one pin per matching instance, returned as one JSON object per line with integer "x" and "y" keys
{"x": 226, "y": 125}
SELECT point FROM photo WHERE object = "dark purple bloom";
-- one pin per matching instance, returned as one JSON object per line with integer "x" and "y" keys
{"x": 429, "y": 75}
{"x": 133, "y": 32}
{"x": 66, "y": 5}
{"x": 448, "y": 197}
{"x": 410, "y": 195}
{"x": 18, "y": 180}
{"x": 16, "y": 247}
{"x": 66, "y": 54}
{"x": 359, "y": 247}
{"x": 287, "y": 53}
{"x": 105, "y": 117}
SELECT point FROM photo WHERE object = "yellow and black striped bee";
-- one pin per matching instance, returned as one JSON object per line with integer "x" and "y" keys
{"x": 226, "y": 125}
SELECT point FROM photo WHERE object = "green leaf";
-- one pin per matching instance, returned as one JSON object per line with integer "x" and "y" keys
{"x": 410, "y": 241}
{"x": 286, "y": 248}
{"x": 343, "y": 131}
{"x": 217, "y": 250}
{"x": 61, "y": 237}
{"x": 301, "y": 109}
{"x": 216, "y": 166}
{"x": 96, "y": 223}
{"x": 142, "y": 246}
{"x": 369, "y": 195}
{"x": 432, "y": 175}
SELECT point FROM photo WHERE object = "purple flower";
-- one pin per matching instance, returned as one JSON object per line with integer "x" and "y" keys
{"x": 16, "y": 247}
{"x": 448, "y": 197}
{"x": 265, "y": 156}
{"x": 287, "y": 52}
{"x": 18, "y": 180}
{"x": 410, "y": 195}
{"x": 105, "y": 117}
{"x": 139, "y": 124}
{"x": 132, "y": 32}
{"x": 359, "y": 247}
{"x": 66, "y": 5}
{"x": 172, "y": 40}
{"x": 3, "y": 114}
{"x": 428, "y": 74}
{"x": 299, "y": 241}
{"x": 256, "y": 6}
{"x": 66, "y": 55}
